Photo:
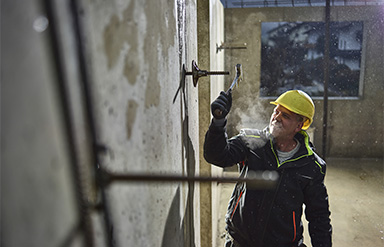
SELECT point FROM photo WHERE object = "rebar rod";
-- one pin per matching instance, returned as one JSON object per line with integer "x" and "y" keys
{"x": 86, "y": 84}
{"x": 210, "y": 72}
{"x": 256, "y": 180}
{"x": 83, "y": 210}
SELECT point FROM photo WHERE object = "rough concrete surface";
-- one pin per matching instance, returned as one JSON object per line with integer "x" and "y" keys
{"x": 356, "y": 196}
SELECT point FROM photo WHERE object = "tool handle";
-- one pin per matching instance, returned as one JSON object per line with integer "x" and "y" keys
{"x": 218, "y": 112}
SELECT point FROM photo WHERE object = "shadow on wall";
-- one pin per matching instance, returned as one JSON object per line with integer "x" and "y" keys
{"x": 191, "y": 166}
{"x": 174, "y": 229}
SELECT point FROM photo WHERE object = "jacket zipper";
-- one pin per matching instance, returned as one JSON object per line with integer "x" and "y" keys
{"x": 270, "y": 206}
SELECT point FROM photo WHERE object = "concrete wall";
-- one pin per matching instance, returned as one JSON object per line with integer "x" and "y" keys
{"x": 137, "y": 49}
{"x": 355, "y": 126}
{"x": 134, "y": 52}
{"x": 210, "y": 33}
{"x": 216, "y": 85}
{"x": 39, "y": 204}
{"x": 73, "y": 104}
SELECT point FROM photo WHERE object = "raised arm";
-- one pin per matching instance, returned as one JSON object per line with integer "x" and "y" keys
{"x": 218, "y": 150}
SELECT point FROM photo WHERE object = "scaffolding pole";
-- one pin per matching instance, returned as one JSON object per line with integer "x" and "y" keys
{"x": 326, "y": 77}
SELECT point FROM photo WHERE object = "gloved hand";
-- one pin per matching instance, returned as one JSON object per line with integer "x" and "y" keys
{"x": 222, "y": 105}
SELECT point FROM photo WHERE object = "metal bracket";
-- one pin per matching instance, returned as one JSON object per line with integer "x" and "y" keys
{"x": 196, "y": 73}
{"x": 230, "y": 46}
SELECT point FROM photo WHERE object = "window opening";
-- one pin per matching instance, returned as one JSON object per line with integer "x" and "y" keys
{"x": 292, "y": 55}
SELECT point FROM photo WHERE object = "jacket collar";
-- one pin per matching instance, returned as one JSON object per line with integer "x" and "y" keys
{"x": 298, "y": 159}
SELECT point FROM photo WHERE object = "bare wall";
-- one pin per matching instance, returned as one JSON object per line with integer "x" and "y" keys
{"x": 134, "y": 52}
{"x": 137, "y": 49}
{"x": 38, "y": 197}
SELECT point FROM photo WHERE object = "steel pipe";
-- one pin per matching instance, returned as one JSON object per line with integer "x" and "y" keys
{"x": 254, "y": 180}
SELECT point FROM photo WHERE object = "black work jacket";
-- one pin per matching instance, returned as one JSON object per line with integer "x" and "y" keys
{"x": 272, "y": 218}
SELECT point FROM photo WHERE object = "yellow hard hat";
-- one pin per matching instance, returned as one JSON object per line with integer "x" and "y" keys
{"x": 298, "y": 102}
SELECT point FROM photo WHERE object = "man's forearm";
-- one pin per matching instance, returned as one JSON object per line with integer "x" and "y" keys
{"x": 220, "y": 151}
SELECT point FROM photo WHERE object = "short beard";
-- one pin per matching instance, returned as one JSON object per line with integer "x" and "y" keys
{"x": 275, "y": 128}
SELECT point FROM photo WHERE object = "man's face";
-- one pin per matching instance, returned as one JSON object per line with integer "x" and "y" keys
{"x": 284, "y": 123}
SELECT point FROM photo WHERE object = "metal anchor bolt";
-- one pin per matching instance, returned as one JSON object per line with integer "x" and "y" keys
{"x": 197, "y": 73}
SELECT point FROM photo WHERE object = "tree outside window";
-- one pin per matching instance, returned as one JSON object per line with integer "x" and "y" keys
{"x": 292, "y": 58}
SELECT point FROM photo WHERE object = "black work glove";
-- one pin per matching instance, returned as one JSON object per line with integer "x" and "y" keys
{"x": 222, "y": 105}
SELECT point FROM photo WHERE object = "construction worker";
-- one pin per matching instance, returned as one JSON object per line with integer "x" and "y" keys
{"x": 272, "y": 218}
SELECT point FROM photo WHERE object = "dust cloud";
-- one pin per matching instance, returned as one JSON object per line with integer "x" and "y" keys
{"x": 250, "y": 114}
